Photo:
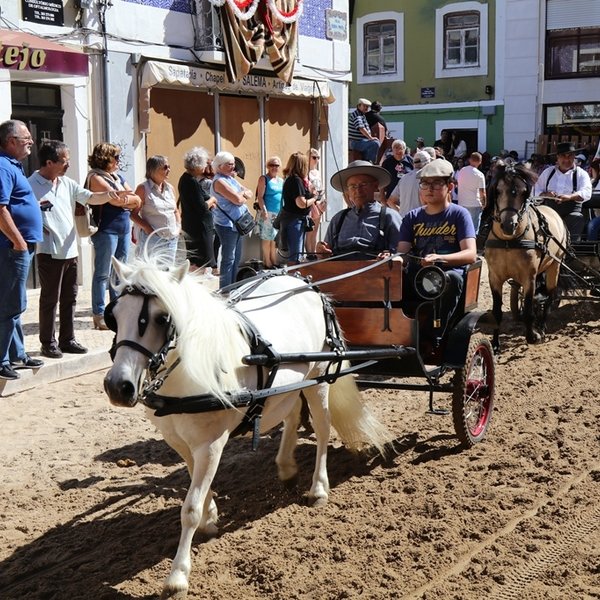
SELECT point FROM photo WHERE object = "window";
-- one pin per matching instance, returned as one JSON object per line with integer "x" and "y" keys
{"x": 380, "y": 48}
{"x": 573, "y": 53}
{"x": 461, "y": 40}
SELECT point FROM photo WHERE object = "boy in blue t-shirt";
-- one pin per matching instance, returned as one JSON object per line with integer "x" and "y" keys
{"x": 438, "y": 232}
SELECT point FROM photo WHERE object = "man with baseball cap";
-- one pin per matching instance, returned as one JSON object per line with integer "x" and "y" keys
{"x": 366, "y": 228}
{"x": 360, "y": 138}
{"x": 565, "y": 187}
{"x": 439, "y": 232}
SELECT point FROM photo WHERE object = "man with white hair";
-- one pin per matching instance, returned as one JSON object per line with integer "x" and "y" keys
{"x": 397, "y": 164}
{"x": 360, "y": 138}
{"x": 405, "y": 196}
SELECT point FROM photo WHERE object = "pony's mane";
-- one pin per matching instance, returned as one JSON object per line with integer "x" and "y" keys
{"x": 210, "y": 342}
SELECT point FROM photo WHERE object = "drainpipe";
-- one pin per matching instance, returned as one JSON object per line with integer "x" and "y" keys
{"x": 103, "y": 6}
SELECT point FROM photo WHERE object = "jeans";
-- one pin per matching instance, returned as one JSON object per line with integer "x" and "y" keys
{"x": 295, "y": 238}
{"x": 593, "y": 230}
{"x": 150, "y": 245}
{"x": 106, "y": 245}
{"x": 58, "y": 283}
{"x": 231, "y": 253}
{"x": 14, "y": 266}
{"x": 475, "y": 212}
{"x": 369, "y": 148}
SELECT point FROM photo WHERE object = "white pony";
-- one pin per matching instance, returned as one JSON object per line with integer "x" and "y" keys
{"x": 210, "y": 339}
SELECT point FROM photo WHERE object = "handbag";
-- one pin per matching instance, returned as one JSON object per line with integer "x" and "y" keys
{"x": 309, "y": 223}
{"x": 244, "y": 225}
{"x": 277, "y": 221}
{"x": 84, "y": 221}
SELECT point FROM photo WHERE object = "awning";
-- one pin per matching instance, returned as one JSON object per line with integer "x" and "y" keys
{"x": 174, "y": 74}
{"x": 21, "y": 51}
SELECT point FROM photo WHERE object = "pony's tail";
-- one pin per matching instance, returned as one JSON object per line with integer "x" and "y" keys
{"x": 353, "y": 421}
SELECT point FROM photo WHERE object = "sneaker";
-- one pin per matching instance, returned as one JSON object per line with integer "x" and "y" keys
{"x": 51, "y": 351}
{"x": 73, "y": 347}
{"x": 28, "y": 363}
{"x": 7, "y": 372}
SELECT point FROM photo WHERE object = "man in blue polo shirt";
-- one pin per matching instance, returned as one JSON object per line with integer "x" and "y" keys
{"x": 20, "y": 229}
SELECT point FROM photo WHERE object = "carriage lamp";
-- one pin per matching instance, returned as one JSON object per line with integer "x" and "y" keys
{"x": 431, "y": 282}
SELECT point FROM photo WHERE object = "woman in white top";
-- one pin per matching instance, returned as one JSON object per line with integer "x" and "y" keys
{"x": 158, "y": 219}
{"x": 316, "y": 210}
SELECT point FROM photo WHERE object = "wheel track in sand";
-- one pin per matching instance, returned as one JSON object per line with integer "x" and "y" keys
{"x": 517, "y": 579}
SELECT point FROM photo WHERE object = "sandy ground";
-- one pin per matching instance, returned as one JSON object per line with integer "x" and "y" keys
{"x": 90, "y": 496}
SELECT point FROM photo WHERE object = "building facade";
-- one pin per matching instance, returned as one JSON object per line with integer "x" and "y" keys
{"x": 507, "y": 74}
{"x": 164, "y": 76}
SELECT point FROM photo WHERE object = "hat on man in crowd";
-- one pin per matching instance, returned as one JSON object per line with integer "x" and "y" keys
{"x": 565, "y": 148}
{"x": 421, "y": 158}
{"x": 364, "y": 101}
{"x": 420, "y": 140}
{"x": 439, "y": 167}
{"x": 581, "y": 158}
{"x": 359, "y": 167}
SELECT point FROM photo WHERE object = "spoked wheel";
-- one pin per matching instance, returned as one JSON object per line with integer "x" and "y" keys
{"x": 473, "y": 396}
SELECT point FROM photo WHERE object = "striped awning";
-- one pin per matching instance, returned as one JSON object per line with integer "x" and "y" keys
{"x": 182, "y": 75}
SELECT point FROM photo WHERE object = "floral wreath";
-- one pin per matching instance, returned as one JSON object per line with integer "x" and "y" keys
{"x": 245, "y": 9}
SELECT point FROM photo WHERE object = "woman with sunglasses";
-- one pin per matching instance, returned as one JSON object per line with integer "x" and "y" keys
{"x": 114, "y": 225}
{"x": 297, "y": 202}
{"x": 268, "y": 196}
{"x": 158, "y": 219}
{"x": 317, "y": 209}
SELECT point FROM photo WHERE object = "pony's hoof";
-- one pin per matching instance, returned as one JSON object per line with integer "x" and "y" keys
{"x": 290, "y": 482}
{"x": 318, "y": 502}
{"x": 173, "y": 594}
{"x": 535, "y": 338}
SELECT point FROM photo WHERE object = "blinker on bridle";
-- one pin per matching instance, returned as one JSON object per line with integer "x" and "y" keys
{"x": 142, "y": 321}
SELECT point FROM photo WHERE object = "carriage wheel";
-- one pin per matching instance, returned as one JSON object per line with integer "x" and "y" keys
{"x": 473, "y": 396}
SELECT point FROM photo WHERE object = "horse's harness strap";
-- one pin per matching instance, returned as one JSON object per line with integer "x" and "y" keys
{"x": 512, "y": 243}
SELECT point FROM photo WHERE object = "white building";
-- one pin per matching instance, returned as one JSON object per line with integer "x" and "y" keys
{"x": 156, "y": 82}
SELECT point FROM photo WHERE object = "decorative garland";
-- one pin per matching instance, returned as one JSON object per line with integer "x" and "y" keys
{"x": 238, "y": 5}
{"x": 245, "y": 9}
{"x": 287, "y": 17}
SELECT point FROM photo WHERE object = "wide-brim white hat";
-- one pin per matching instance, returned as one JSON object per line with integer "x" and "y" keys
{"x": 360, "y": 167}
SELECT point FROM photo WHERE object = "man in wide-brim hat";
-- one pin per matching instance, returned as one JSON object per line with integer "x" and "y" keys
{"x": 566, "y": 187}
{"x": 366, "y": 228}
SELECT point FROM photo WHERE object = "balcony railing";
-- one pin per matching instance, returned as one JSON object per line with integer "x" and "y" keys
{"x": 207, "y": 27}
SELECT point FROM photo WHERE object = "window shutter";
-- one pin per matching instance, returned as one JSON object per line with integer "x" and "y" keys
{"x": 575, "y": 13}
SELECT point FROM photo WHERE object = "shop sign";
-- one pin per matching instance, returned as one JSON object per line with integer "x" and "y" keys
{"x": 337, "y": 25}
{"x": 156, "y": 72}
{"x": 48, "y": 12}
{"x": 23, "y": 56}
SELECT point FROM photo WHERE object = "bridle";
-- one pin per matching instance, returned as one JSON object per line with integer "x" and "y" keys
{"x": 520, "y": 212}
{"x": 156, "y": 370}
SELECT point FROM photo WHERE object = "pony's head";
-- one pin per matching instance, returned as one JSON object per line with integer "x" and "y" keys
{"x": 509, "y": 193}
{"x": 165, "y": 316}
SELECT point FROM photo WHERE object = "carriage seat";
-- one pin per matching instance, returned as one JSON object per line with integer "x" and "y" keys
{"x": 367, "y": 305}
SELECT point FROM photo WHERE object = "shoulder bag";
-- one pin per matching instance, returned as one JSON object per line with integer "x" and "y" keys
{"x": 85, "y": 223}
{"x": 244, "y": 225}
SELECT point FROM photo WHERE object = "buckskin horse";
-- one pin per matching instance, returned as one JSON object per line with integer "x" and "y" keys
{"x": 526, "y": 241}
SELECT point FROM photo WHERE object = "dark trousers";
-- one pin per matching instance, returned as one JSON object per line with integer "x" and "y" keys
{"x": 58, "y": 282}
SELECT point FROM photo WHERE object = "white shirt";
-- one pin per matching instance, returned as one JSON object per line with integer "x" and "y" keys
{"x": 470, "y": 181}
{"x": 407, "y": 192}
{"x": 562, "y": 183}
{"x": 60, "y": 239}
